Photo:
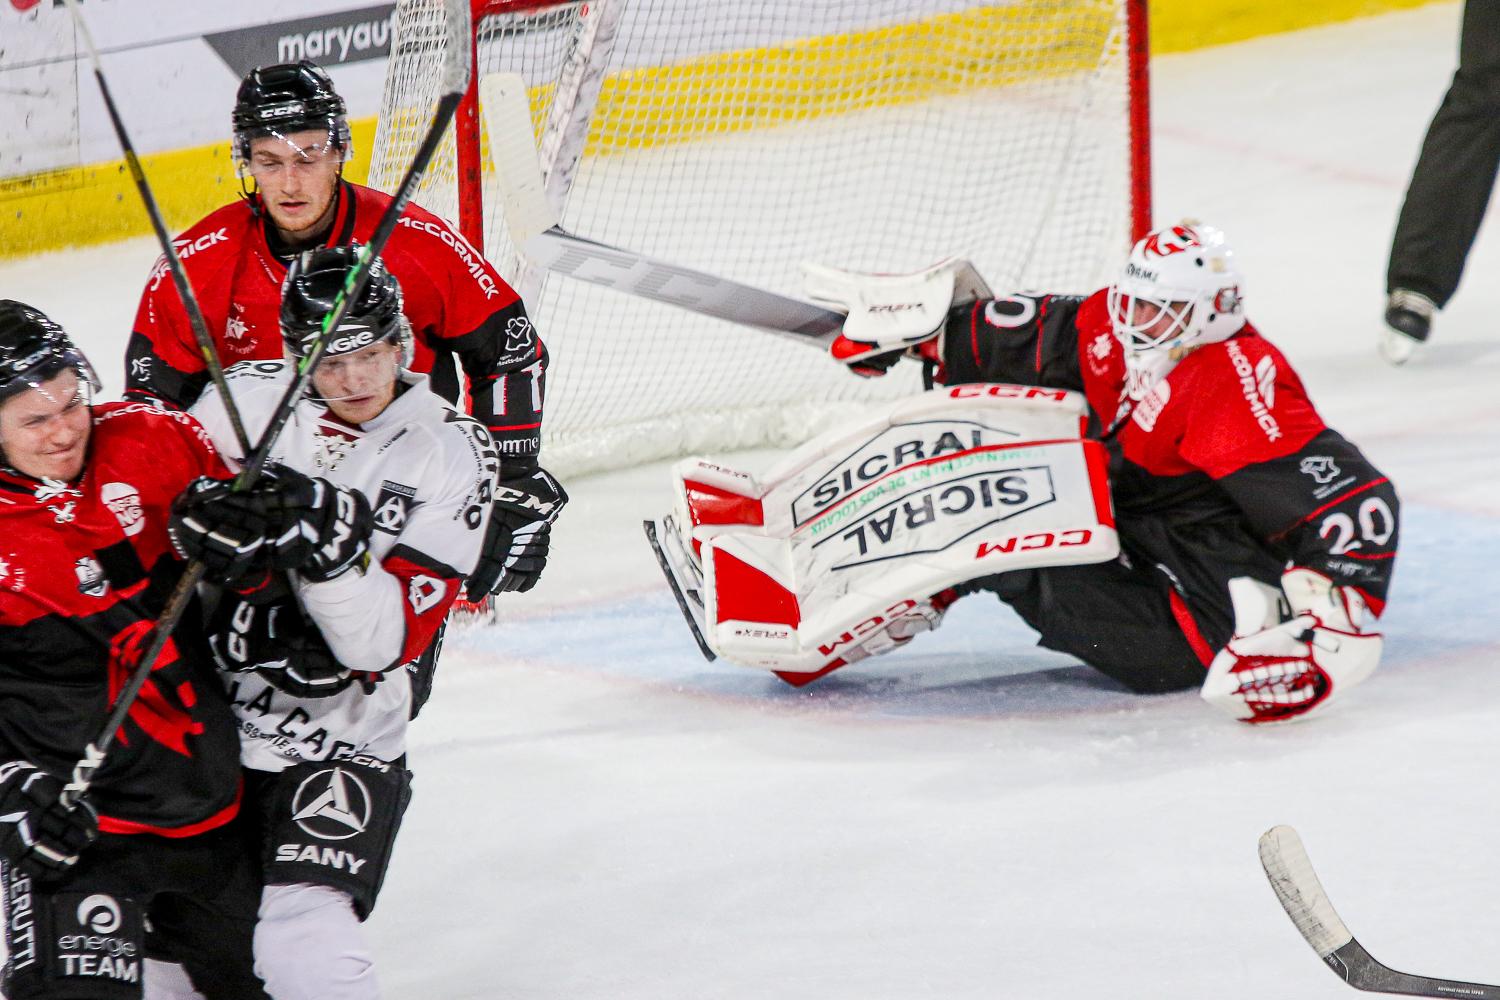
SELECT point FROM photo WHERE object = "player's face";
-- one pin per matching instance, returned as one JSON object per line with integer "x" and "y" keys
{"x": 1155, "y": 321}
{"x": 44, "y": 430}
{"x": 297, "y": 175}
{"x": 358, "y": 386}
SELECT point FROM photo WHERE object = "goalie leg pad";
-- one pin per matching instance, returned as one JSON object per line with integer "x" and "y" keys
{"x": 333, "y": 823}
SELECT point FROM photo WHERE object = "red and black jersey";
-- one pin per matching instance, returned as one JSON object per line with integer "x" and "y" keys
{"x": 458, "y": 307}
{"x": 85, "y": 568}
{"x": 1226, "y": 446}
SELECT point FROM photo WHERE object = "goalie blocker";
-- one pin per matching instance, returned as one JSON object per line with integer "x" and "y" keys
{"x": 856, "y": 542}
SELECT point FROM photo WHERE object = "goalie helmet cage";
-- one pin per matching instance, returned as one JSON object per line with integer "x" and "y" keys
{"x": 744, "y": 138}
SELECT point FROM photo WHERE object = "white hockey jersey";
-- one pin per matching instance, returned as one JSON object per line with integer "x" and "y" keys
{"x": 428, "y": 472}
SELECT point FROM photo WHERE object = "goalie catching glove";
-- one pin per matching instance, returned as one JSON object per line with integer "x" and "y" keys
{"x": 39, "y": 835}
{"x": 519, "y": 534}
{"x": 891, "y": 316}
{"x": 286, "y": 521}
{"x": 1274, "y": 670}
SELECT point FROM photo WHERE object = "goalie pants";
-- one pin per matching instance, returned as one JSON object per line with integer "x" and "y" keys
{"x": 1125, "y": 621}
{"x": 1450, "y": 186}
{"x": 190, "y": 901}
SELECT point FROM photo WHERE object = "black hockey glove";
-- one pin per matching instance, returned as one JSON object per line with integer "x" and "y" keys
{"x": 38, "y": 834}
{"x": 329, "y": 529}
{"x": 285, "y": 521}
{"x": 222, "y": 530}
{"x": 266, "y": 631}
{"x": 519, "y": 532}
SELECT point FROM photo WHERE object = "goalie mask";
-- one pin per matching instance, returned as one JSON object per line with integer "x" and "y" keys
{"x": 1180, "y": 289}
{"x": 314, "y": 282}
{"x": 284, "y": 99}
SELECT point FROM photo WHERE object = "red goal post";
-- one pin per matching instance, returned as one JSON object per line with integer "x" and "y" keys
{"x": 742, "y": 138}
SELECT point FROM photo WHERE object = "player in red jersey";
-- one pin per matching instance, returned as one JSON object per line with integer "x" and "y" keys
{"x": 291, "y": 139}
{"x": 1235, "y": 502}
{"x": 150, "y": 866}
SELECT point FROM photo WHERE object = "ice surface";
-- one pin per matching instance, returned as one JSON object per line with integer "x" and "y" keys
{"x": 601, "y": 814}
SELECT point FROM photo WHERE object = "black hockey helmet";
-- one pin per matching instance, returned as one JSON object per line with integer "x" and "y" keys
{"x": 285, "y": 98}
{"x": 34, "y": 349}
{"x": 312, "y": 284}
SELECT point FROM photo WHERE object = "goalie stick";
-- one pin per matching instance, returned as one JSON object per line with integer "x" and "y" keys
{"x": 1301, "y": 894}
{"x": 535, "y": 230}
{"x": 455, "y": 80}
{"x": 538, "y": 234}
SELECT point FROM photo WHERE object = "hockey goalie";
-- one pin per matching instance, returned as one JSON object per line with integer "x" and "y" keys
{"x": 1137, "y": 473}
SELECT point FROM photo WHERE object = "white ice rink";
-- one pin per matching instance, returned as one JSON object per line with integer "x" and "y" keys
{"x": 601, "y": 815}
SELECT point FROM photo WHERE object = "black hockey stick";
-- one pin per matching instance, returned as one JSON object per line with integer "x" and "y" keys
{"x": 455, "y": 81}
{"x": 535, "y": 230}
{"x": 1301, "y": 894}
{"x": 169, "y": 251}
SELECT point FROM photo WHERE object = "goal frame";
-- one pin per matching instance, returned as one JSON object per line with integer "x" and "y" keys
{"x": 470, "y": 167}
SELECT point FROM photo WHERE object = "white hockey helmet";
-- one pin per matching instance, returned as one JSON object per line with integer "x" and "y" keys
{"x": 1180, "y": 289}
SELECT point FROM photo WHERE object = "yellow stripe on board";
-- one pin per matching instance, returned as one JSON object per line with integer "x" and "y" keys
{"x": 769, "y": 86}
{"x": 1183, "y": 25}
{"x": 852, "y": 71}
{"x": 99, "y": 203}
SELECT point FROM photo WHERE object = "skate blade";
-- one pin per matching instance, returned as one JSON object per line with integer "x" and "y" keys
{"x": 1397, "y": 347}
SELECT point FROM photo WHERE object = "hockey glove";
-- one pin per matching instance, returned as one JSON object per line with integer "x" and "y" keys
{"x": 38, "y": 834}
{"x": 267, "y": 632}
{"x": 211, "y": 524}
{"x": 1273, "y": 670}
{"x": 324, "y": 529}
{"x": 518, "y": 536}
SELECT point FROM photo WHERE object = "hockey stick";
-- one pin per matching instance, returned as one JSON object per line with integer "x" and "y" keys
{"x": 536, "y": 232}
{"x": 456, "y": 66}
{"x": 169, "y": 251}
{"x": 1301, "y": 894}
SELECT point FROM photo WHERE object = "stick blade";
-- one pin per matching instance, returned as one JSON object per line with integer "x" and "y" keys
{"x": 1301, "y": 894}
{"x": 507, "y": 118}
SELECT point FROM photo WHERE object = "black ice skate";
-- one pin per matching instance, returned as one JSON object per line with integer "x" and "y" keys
{"x": 1408, "y": 321}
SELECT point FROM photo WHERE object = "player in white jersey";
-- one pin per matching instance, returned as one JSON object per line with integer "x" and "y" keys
{"x": 347, "y": 558}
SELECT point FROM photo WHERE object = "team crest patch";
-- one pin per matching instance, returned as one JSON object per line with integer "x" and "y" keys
{"x": 393, "y": 506}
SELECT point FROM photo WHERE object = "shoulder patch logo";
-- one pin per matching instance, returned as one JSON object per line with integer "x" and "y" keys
{"x": 519, "y": 334}
{"x": 124, "y": 501}
{"x": 393, "y": 506}
{"x": 1321, "y": 467}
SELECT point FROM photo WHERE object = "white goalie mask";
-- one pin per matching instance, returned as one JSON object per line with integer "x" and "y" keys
{"x": 1180, "y": 289}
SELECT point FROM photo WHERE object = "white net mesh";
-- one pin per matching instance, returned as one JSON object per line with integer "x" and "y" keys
{"x": 742, "y": 139}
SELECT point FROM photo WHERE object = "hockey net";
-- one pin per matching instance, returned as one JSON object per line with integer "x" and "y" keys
{"x": 743, "y": 138}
